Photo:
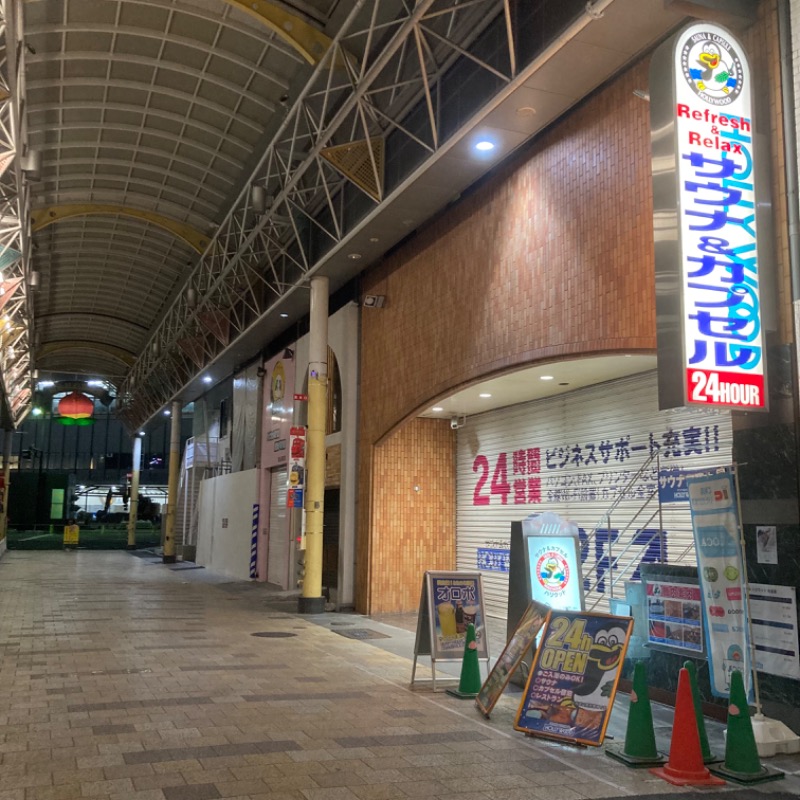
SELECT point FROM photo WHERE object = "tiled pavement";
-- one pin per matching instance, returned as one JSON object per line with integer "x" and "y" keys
{"x": 122, "y": 678}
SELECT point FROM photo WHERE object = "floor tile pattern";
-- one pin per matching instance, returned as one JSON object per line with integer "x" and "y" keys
{"x": 125, "y": 680}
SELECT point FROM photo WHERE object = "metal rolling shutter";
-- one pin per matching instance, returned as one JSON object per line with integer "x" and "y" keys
{"x": 573, "y": 455}
{"x": 279, "y": 536}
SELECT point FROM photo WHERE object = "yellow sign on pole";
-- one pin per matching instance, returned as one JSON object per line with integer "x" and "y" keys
{"x": 71, "y": 535}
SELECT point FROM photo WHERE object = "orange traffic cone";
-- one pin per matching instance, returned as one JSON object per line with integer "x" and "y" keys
{"x": 685, "y": 766}
{"x": 470, "y": 683}
{"x": 742, "y": 764}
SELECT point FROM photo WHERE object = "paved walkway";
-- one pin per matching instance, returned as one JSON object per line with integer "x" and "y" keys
{"x": 123, "y": 678}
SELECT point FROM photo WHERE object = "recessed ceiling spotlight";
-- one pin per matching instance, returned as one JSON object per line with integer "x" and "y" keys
{"x": 167, "y": 412}
{"x": 374, "y": 239}
{"x": 207, "y": 379}
{"x": 284, "y": 315}
{"x": 484, "y": 394}
{"x": 484, "y": 145}
{"x": 526, "y": 111}
{"x": 354, "y": 256}
{"x": 545, "y": 377}
{"x": 437, "y": 408}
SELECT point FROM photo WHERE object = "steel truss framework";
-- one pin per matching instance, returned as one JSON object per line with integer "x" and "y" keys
{"x": 16, "y": 366}
{"x": 382, "y": 69}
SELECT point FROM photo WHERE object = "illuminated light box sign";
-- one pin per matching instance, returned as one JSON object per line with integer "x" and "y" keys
{"x": 710, "y": 337}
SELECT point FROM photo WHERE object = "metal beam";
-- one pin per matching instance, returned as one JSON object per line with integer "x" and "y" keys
{"x": 311, "y": 43}
{"x": 117, "y": 353}
{"x": 42, "y": 217}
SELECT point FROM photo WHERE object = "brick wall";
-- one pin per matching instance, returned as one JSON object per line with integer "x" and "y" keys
{"x": 549, "y": 258}
{"x": 413, "y": 524}
{"x": 333, "y": 466}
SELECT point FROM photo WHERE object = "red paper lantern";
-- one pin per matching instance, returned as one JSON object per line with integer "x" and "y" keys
{"x": 76, "y": 406}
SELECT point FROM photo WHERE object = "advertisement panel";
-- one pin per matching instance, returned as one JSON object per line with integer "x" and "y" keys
{"x": 278, "y": 410}
{"x": 553, "y": 558}
{"x": 297, "y": 467}
{"x": 674, "y": 616}
{"x": 774, "y": 626}
{"x": 518, "y": 645}
{"x": 455, "y": 601}
{"x": 573, "y": 680}
{"x": 710, "y": 336}
{"x": 720, "y": 566}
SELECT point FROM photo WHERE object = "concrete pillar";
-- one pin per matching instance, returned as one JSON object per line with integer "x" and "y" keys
{"x": 133, "y": 503}
{"x": 172, "y": 482}
{"x": 8, "y": 440}
{"x": 311, "y": 600}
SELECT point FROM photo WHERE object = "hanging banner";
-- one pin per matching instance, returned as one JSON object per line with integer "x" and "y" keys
{"x": 720, "y": 567}
{"x": 573, "y": 680}
{"x": 297, "y": 467}
{"x": 709, "y": 318}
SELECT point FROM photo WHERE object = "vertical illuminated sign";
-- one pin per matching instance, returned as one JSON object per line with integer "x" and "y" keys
{"x": 710, "y": 337}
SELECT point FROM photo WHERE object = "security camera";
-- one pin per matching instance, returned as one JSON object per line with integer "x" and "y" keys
{"x": 457, "y": 422}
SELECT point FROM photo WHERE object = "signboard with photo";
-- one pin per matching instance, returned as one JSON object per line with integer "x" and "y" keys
{"x": 674, "y": 616}
{"x": 518, "y": 645}
{"x": 573, "y": 680}
{"x": 450, "y": 601}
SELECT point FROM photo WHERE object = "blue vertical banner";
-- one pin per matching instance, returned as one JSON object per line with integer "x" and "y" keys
{"x": 720, "y": 567}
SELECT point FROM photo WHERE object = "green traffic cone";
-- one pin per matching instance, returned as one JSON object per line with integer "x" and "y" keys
{"x": 705, "y": 749}
{"x": 742, "y": 763}
{"x": 470, "y": 683}
{"x": 639, "y": 749}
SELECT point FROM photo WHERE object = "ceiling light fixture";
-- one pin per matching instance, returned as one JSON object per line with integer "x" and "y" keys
{"x": 437, "y": 408}
{"x": 545, "y": 377}
{"x": 484, "y": 394}
{"x": 207, "y": 379}
{"x": 354, "y": 256}
{"x": 284, "y": 315}
{"x": 484, "y": 146}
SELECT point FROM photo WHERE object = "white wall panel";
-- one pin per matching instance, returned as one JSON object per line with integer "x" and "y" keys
{"x": 573, "y": 455}
{"x": 225, "y": 523}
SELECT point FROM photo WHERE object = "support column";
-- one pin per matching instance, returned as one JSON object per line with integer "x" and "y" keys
{"x": 311, "y": 600}
{"x": 133, "y": 502}
{"x": 8, "y": 440}
{"x": 172, "y": 481}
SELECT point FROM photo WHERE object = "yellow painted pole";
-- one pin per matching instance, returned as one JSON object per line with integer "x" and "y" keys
{"x": 172, "y": 482}
{"x": 311, "y": 600}
{"x": 133, "y": 502}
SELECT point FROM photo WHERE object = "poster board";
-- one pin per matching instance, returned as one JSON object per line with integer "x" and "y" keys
{"x": 573, "y": 680}
{"x": 518, "y": 645}
{"x": 674, "y": 616}
{"x": 449, "y": 602}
